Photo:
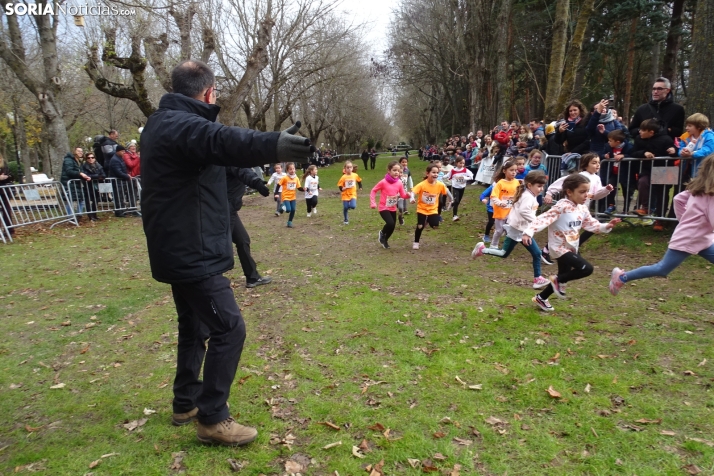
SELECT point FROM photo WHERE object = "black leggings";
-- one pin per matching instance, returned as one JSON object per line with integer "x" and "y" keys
{"x": 311, "y": 203}
{"x": 422, "y": 220}
{"x": 490, "y": 223}
{"x": 458, "y": 194}
{"x": 571, "y": 266}
{"x": 390, "y": 221}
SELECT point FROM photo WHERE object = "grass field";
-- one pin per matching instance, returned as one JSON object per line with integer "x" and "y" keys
{"x": 414, "y": 361}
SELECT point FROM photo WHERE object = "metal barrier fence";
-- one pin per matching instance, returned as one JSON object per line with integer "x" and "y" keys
{"x": 31, "y": 203}
{"x": 642, "y": 188}
{"x": 101, "y": 196}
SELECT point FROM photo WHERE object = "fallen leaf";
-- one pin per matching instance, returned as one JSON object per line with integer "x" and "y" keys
{"x": 476, "y": 387}
{"x": 428, "y": 466}
{"x": 377, "y": 469}
{"x": 419, "y": 333}
{"x": 645, "y": 421}
{"x": 494, "y": 421}
{"x": 356, "y": 452}
{"x": 148, "y": 411}
{"x": 690, "y": 373}
{"x": 553, "y": 393}
{"x": 59, "y": 385}
{"x": 177, "y": 464}
{"x": 109, "y": 455}
{"x": 414, "y": 463}
{"x": 667, "y": 433}
{"x": 332, "y": 445}
{"x": 243, "y": 379}
{"x": 460, "y": 381}
{"x": 439, "y": 434}
{"x": 618, "y": 462}
{"x": 627, "y": 426}
{"x": 235, "y": 465}
{"x": 456, "y": 471}
{"x": 439, "y": 456}
{"x": 95, "y": 463}
{"x": 377, "y": 427}
{"x": 463, "y": 442}
{"x": 33, "y": 429}
{"x": 134, "y": 424}
{"x": 555, "y": 357}
{"x": 587, "y": 388}
{"x": 692, "y": 469}
{"x": 293, "y": 467}
{"x": 702, "y": 363}
{"x": 329, "y": 425}
{"x": 699, "y": 440}
{"x": 84, "y": 350}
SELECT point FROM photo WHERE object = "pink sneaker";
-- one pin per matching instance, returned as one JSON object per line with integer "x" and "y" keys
{"x": 615, "y": 282}
{"x": 540, "y": 282}
{"x": 478, "y": 250}
{"x": 557, "y": 287}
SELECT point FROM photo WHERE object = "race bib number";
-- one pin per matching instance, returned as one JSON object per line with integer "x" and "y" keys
{"x": 392, "y": 201}
{"x": 349, "y": 184}
{"x": 428, "y": 198}
{"x": 313, "y": 187}
{"x": 460, "y": 180}
{"x": 292, "y": 185}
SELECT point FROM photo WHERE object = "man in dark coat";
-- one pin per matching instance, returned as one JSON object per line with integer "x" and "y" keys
{"x": 109, "y": 148}
{"x": 662, "y": 108}
{"x": 237, "y": 179}
{"x": 184, "y": 153}
{"x": 124, "y": 192}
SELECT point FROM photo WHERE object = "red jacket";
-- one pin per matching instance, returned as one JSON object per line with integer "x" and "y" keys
{"x": 132, "y": 162}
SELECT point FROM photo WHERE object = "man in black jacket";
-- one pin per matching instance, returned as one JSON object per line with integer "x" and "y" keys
{"x": 662, "y": 107}
{"x": 237, "y": 179}
{"x": 124, "y": 192}
{"x": 109, "y": 148}
{"x": 184, "y": 153}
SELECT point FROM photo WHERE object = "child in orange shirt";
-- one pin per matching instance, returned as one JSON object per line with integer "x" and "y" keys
{"x": 348, "y": 186}
{"x": 502, "y": 197}
{"x": 426, "y": 195}
{"x": 289, "y": 185}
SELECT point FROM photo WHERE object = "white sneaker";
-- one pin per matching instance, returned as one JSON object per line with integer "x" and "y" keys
{"x": 345, "y": 223}
{"x": 478, "y": 250}
{"x": 308, "y": 215}
{"x": 456, "y": 218}
{"x": 415, "y": 246}
{"x": 314, "y": 210}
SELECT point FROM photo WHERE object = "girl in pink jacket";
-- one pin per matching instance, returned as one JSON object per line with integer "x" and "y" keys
{"x": 693, "y": 236}
{"x": 391, "y": 190}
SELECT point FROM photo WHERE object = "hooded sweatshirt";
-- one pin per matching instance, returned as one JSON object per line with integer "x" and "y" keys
{"x": 390, "y": 191}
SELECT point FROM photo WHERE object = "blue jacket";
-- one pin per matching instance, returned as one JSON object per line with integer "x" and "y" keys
{"x": 530, "y": 168}
{"x": 703, "y": 148}
{"x": 117, "y": 168}
{"x": 598, "y": 140}
{"x": 487, "y": 194}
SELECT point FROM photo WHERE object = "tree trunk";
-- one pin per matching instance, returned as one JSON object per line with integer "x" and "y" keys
{"x": 630, "y": 69}
{"x": 574, "y": 52}
{"x": 701, "y": 76}
{"x": 654, "y": 62}
{"x": 557, "y": 58}
{"x": 21, "y": 142}
{"x": 674, "y": 39}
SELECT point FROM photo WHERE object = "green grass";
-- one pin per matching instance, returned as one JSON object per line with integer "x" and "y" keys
{"x": 334, "y": 339}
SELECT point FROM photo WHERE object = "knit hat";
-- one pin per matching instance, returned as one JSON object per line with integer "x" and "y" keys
{"x": 549, "y": 129}
{"x": 120, "y": 147}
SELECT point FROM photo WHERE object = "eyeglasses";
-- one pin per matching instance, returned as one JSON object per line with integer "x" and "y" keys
{"x": 90, "y": 157}
{"x": 658, "y": 89}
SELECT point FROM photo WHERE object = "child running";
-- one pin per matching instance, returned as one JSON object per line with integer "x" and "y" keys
{"x": 564, "y": 221}
{"x": 312, "y": 189}
{"x": 390, "y": 190}
{"x": 694, "y": 208}
{"x": 348, "y": 186}
{"x": 522, "y": 214}
{"x": 275, "y": 178}
{"x": 289, "y": 184}
{"x": 460, "y": 177}
{"x": 426, "y": 195}
{"x": 502, "y": 198}
{"x": 486, "y": 200}
{"x": 406, "y": 178}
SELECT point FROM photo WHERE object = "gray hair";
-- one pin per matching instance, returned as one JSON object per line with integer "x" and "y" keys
{"x": 664, "y": 80}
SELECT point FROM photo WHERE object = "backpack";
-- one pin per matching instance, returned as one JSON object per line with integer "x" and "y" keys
{"x": 569, "y": 163}
{"x": 97, "y": 148}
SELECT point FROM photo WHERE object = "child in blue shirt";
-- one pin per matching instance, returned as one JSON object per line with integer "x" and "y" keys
{"x": 535, "y": 162}
{"x": 486, "y": 199}
{"x": 521, "y": 166}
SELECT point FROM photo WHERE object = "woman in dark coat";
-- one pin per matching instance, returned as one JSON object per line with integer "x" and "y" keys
{"x": 365, "y": 158}
{"x": 572, "y": 133}
{"x": 71, "y": 170}
{"x": 95, "y": 172}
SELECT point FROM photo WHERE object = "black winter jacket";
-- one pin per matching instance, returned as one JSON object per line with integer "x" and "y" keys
{"x": 184, "y": 195}
{"x": 109, "y": 148}
{"x": 237, "y": 179}
{"x": 669, "y": 113}
{"x": 657, "y": 145}
{"x": 70, "y": 169}
{"x": 578, "y": 139}
{"x": 117, "y": 168}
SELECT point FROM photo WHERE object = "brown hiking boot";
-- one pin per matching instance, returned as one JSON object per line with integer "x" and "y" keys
{"x": 226, "y": 432}
{"x": 180, "y": 419}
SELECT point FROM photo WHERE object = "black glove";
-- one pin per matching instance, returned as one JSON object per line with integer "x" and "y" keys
{"x": 292, "y": 148}
{"x": 263, "y": 190}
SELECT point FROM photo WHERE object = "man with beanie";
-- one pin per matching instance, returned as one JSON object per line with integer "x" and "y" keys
{"x": 124, "y": 195}
{"x": 184, "y": 155}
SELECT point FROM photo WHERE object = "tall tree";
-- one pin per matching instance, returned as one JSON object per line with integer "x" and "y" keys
{"x": 700, "y": 97}
{"x": 674, "y": 39}
{"x": 557, "y": 58}
{"x": 45, "y": 86}
{"x": 572, "y": 62}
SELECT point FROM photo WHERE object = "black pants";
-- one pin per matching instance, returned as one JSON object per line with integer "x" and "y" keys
{"x": 458, "y": 194}
{"x": 372, "y": 162}
{"x": 390, "y": 221}
{"x": 311, "y": 203}
{"x": 90, "y": 198}
{"x": 571, "y": 266}
{"x": 490, "y": 223}
{"x": 241, "y": 239}
{"x": 206, "y": 309}
{"x": 5, "y": 208}
{"x": 422, "y": 220}
{"x": 366, "y": 161}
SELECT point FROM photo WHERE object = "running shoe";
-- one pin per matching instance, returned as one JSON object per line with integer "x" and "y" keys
{"x": 610, "y": 210}
{"x": 486, "y": 239}
{"x": 290, "y": 224}
{"x": 544, "y": 304}
{"x": 540, "y": 282}
{"x": 642, "y": 211}
{"x": 415, "y": 246}
{"x": 456, "y": 218}
{"x": 401, "y": 220}
{"x": 545, "y": 258}
{"x": 478, "y": 250}
{"x": 557, "y": 287}
{"x": 615, "y": 282}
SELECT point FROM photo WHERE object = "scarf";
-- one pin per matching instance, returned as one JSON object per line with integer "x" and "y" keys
{"x": 607, "y": 117}
{"x": 391, "y": 179}
{"x": 292, "y": 176}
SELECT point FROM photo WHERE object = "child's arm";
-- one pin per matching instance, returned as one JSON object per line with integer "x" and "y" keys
{"x": 373, "y": 194}
{"x": 680, "y": 203}
{"x": 486, "y": 194}
{"x": 602, "y": 192}
{"x": 496, "y": 200}
{"x": 469, "y": 175}
{"x": 410, "y": 184}
{"x": 591, "y": 224}
{"x": 556, "y": 186}
{"x": 271, "y": 179}
{"x": 359, "y": 181}
{"x": 341, "y": 182}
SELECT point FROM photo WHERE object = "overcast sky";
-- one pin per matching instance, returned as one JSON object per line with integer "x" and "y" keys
{"x": 377, "y": 13}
